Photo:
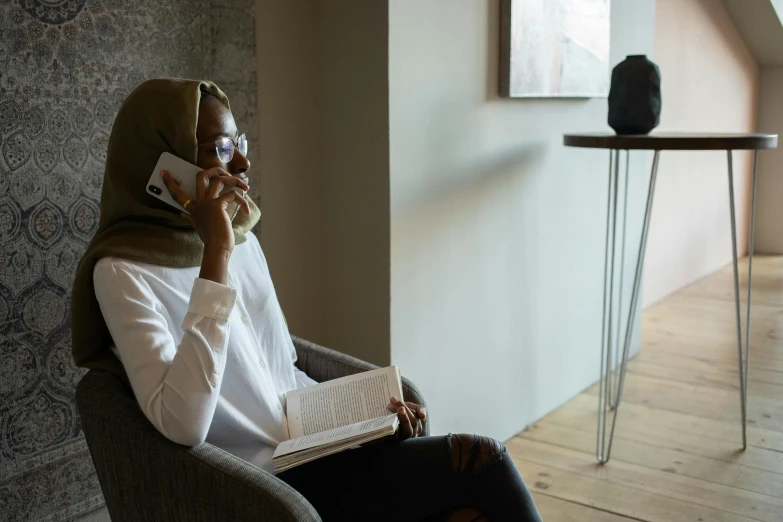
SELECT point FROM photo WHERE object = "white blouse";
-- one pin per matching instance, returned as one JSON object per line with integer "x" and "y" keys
{"x": 206, "y": 361}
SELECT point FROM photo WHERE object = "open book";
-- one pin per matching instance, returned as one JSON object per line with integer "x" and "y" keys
{"x": 333, "y": 416}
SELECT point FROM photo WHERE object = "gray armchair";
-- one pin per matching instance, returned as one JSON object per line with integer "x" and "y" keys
{"x": 145, "y": 476}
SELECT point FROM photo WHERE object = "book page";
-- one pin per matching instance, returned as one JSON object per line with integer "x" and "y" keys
{"x": 324, "y": 438}
{"x": 342, "y": 402}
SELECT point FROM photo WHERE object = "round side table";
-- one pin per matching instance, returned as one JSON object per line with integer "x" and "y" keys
{"x": 612, "y": 379}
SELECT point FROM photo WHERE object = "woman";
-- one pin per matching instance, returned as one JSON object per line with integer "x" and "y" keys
{"x": 182, "y": 306}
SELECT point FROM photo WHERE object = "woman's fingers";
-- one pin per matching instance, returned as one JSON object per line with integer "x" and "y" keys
{"x": 232, "y": 195}
{"x": 415, "y": 424}
{"x": 405, "y": 428}
{"x": 244, "y": 204}
{"x": 241, "y": 201}
{"x": 218, "y": 183}
{"x": 410, "y": 426}
{"x": 215, "y": 186}
{"x": 419, "y": 416}
{"x": 171, "y": 184}
{"x": 234, "y": 181}
{"x": 204, "y": 182}
{"x": 417, "y": 410}
{"x": 394, "y": 403}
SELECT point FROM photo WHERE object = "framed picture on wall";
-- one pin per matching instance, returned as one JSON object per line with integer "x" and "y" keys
{"x": 554, "y": 48}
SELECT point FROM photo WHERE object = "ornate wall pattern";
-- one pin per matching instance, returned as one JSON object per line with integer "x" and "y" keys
{"x": 65, "y": 68}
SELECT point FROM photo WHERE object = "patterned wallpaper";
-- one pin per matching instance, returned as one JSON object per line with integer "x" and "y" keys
{"x": 65, "y": 67}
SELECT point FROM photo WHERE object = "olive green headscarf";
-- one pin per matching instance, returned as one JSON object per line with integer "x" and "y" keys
{"x": 158, "y": 116}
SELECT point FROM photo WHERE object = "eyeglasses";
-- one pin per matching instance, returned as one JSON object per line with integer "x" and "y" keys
{"x": 225, "y": 147}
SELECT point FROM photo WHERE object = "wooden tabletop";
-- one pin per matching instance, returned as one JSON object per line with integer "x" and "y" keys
{"x": 672, "y": 141}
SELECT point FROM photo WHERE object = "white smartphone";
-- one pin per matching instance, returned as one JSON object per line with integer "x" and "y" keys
{"x": 185, "y": 173}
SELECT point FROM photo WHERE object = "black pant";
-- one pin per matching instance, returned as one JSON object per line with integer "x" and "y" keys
{"x": 410, "y": 481}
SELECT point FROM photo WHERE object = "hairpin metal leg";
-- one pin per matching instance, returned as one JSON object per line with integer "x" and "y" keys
{"x": 608, "y": 364}
{"x": 604, "y": 444}
{"x": 742, "y": 361}
{"x": 606, "y": 330}
{"x": 751, "y": 234}
{"x": 613, "y": 374}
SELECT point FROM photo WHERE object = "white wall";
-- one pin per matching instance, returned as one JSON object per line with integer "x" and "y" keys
{"x": 769, "y": 190}
{"x": 709, "y": 83}
{"x": 497, "y": 230}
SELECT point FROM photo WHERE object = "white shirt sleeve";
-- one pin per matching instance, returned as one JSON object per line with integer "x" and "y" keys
{"x": 176, "y": 385}
{"x": 302, "y": 379}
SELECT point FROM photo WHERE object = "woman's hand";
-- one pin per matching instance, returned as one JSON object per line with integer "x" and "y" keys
{"x": 411, "y": 418}
{"x": 209, "y": 216}
{"x": 209, "y": 211}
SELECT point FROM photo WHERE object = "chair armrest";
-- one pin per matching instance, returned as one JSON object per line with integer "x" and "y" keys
{"x": 145, "y": 476}
{"x": 325, "y": 364}
{"x": 247, "y": 492}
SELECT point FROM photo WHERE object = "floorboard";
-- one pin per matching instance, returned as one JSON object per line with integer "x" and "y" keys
{"x": 677, "y": 451}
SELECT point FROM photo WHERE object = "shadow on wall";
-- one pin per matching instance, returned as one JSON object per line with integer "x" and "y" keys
{"x": 455, "y": 228}
{"x": 444, "y": 186}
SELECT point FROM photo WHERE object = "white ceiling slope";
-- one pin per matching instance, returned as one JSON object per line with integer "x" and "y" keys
{"x": 759, "y": 23}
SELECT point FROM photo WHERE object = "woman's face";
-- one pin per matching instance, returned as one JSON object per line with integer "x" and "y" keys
{"x": 215, "y": 121}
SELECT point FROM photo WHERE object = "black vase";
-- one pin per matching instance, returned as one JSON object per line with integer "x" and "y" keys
{"x": 635, "y": 96}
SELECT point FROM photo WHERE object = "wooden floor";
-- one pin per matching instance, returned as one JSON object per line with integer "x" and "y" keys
{"x": 677, "y": 449}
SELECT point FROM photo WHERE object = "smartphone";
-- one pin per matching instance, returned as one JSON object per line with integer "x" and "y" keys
{"x": 185, "y": 173}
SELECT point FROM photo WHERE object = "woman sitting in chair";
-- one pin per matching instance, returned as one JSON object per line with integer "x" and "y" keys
{"x": 182, "y": 306}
